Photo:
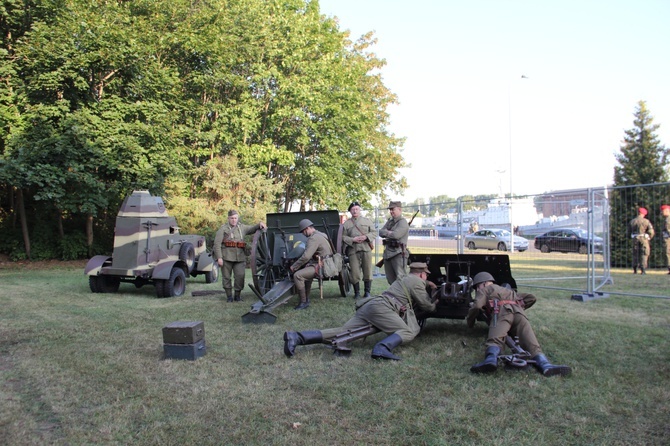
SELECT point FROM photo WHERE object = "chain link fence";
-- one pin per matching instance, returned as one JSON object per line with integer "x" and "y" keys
{"x": 570, "y": 240}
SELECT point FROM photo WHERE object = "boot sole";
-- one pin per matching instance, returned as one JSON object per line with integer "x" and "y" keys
{"x": 562, "y": 371}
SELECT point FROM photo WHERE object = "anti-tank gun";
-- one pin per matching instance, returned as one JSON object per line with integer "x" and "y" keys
{"x": 453, "y": 273}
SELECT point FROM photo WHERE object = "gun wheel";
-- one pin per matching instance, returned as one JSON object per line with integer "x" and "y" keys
{"x": 344, "y": 278}
{"x": 261, "y": 263}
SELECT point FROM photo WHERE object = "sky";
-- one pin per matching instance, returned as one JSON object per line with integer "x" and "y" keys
{"x": 542, "y": 89}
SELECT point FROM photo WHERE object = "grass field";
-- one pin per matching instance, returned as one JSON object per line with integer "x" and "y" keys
{"x": 80, "y": 368}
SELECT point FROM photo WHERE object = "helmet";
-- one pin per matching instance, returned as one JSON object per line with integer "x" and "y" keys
{"x": 482, "y": 277}
{"x": 304, "y": 224}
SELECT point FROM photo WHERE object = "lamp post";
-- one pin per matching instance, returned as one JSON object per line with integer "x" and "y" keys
{"x": 509, "y": 123}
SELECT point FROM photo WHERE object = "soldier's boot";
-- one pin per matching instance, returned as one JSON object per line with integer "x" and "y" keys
{"x": 292, "y": 338}
{"x": 548, "y": 369}
{"x": 490, "y": 363}
{"x": 238, "y": 296}
{"x": 668, "y": 269}
{"x": 304, "y": 301}
{"x": 229, "y": 294}
{"x": 368, "y": 286}
{"x": 357, "y": 290}
{"x": 384, "y": 347}
{"x": 635, "y": 270}
{"x": 642, "y": 271}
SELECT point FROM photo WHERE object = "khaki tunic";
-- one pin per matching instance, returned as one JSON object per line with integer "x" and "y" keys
{"x": 360, "y": 254}
{"x": 641, "y": 231}
{"x": 395, "y": 232}
{"x": 383, "y": 312}
{"x": 511, "y": 321}
{"x": 305, "y": 266}
{"x": 234, "y": 258}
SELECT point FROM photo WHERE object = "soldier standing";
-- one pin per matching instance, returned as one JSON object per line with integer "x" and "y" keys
{"x": 641, "y": 232}
{"x": 395, "y": 233}
{"x": 665, "y": 211}
{"x": 508, "y": 316}
{"x": 384, "y": 313}
{"x": 357, "y": 234}
{"x": 305, "y": 268}
{"x": 229, "y": 247}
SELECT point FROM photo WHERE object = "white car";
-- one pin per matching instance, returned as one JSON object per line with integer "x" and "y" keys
{"x": 495, "y": 239}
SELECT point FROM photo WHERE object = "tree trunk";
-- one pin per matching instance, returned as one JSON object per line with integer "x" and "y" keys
{"x": 89, "y": 234}
{"x": 12, "y": 206}
{"x": 24, "y": 224}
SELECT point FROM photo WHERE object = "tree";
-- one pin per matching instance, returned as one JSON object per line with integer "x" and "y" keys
{"x": 642, "y": 161}
{"x": 101, "y": 98}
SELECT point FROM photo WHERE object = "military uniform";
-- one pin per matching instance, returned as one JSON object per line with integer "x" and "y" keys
{"x": 641, "y": 231}
{"x": 395, "y": 233}
{"x": 506, "y": 313}
{"x": 229, "y": 246}
{"x": 511, "y": 317}
{"x": 305, "y": 268}
{"x": 384, "y": 313}
{"x": 359, "y": 253}
{"x": 665, "y": 210}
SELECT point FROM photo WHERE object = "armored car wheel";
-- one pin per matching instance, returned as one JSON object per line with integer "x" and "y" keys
{"x": 261, "y": 263}
{"x": 176, "y": 284}
{"x": 344, "y": 278}
{"x": 187, "y": 255}
{"x": 213, "y": 275}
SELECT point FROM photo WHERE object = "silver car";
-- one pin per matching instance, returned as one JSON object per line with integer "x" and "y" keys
{"x": 495, "y": 239}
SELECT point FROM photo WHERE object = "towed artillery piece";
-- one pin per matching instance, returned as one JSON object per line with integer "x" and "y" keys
{"x": 148, "y": 249}
{"x": 452, "y": 274}
{"x": 275, "y": 249}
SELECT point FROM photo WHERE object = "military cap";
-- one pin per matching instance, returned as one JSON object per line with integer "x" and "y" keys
{"x": 304, "y": 224}
{"x": 482, "y": 277}
{"x": 232, "y": 212}
{"x": 355, "y": 203}
{"x": 642, "y": 211}
{"x": 664, "y": 207}
{"x": 418, "y": 267}
{"x": 395, "y": 204}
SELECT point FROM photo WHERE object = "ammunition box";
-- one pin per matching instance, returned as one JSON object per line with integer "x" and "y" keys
{"x": 183, "y": 332}
{"x": 185, "y": 351}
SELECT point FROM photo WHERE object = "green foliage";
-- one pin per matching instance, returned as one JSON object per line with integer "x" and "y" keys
{"x": 102, "y": 98}
{"x": 73, "y": 246}
{"x": 643, "y": 161}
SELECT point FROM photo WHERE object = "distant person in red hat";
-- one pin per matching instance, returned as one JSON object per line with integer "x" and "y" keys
{"x": 665, "y": 212}
{"x": 641, "y": 231}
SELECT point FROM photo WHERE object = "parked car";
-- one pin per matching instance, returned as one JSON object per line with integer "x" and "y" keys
{"x": 495, "y": 239}
{"x": 567, "y": 240}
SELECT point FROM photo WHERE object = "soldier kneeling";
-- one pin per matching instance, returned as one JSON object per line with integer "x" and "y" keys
{"x": 506, "y": 309}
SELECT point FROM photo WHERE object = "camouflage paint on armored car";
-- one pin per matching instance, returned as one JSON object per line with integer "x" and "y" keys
{"x": 148, "y": 249}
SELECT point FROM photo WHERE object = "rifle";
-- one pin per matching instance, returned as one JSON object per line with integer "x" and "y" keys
{"x": 381, "y": 262}
{"x": 341, "y": 341}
